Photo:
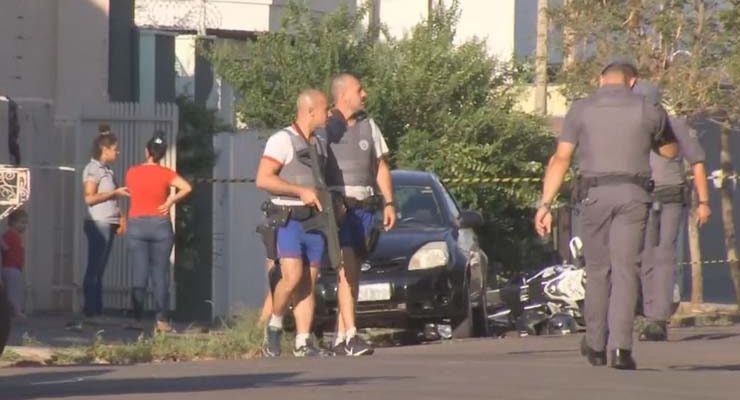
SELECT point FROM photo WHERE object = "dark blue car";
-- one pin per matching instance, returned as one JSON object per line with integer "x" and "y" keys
{"x": 429, "y": 269}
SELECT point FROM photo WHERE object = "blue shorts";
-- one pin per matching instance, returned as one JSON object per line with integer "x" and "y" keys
{"x": 355, "y": 228}
{"x": 294, "y": 242}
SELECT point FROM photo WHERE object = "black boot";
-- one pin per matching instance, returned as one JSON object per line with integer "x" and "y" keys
{"x": 654, "y": 331}
{"x": 595, "y": 358}
{"x": 622, "y": 359}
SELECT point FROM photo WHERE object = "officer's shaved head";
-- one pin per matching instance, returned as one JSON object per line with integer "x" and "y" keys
{"x": 347, "y": 93}
{"x": 309, "y": 99}
{"x": 311, "y": 108}
{"x": 341, "y": 83}
{"x": 625, "y": 74}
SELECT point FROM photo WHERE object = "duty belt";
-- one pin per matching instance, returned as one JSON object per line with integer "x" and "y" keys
{"x": 298, "y": 213}
{"x": 672, "y": 194}
{"x": 584, "y": 183}
{"x": 606, "y": 180}
{"x": 372, "y": 203}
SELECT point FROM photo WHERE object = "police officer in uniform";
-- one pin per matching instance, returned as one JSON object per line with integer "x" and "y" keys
{"x": 614, "y": 130}
{"x": 357, "y": 171}
{"x": 294, "y": 199}
{"x": 670, "y": 197}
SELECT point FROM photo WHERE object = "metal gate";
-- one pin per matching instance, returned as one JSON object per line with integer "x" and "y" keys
{"x": 133, "y": 124}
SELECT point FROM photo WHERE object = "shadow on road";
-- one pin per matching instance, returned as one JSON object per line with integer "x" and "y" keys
{"x": 529, "y": 352}
{"x": 57, "y": 385}
{"x": 730, "y": 367}
{"x": 716, "y": 336}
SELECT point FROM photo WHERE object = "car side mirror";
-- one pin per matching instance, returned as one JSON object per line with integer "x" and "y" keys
{"x": 470, "y": 219}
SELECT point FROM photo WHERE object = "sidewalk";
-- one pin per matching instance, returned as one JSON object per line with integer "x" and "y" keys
{"x": 70, "y": 330}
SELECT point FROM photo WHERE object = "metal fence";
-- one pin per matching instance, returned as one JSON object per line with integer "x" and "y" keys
{"x": 133, "y": 124}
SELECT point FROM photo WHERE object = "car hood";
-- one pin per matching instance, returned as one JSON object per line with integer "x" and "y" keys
{"x": 403, "y": 241}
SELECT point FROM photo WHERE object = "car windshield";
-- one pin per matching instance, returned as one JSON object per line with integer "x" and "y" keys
{"x": 417, "y": 205}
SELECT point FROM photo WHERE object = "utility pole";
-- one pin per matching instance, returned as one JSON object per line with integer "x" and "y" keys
{"x": 541, "y": 59}
{"x": 202, "y": 25}
{"x": 374, "y": 19}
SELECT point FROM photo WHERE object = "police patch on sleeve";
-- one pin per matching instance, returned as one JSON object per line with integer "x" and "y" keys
{"x": 364, "y": 145}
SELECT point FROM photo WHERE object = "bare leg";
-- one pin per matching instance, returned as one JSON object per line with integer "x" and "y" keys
{"x": 292, "y": 273}
{"x": 305, "y": 301}
{"x": 267, "y": 305}
{"x": 348, "y": 289}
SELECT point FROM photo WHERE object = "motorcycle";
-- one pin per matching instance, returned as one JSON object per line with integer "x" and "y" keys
{"x": 549, "y": 301}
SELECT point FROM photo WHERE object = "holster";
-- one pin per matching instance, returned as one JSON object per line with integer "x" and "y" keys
{"x": 671, "y": 194}
{"x": 371, "y": 240}
{"x": 584, "y": 183}
{"x": 372, "y": 204}
{"x": 275, "y": 217}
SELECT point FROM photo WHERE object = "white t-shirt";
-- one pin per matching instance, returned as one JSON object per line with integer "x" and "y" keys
{"x": 381, "y": 150}
{"x": 279, "y": 148}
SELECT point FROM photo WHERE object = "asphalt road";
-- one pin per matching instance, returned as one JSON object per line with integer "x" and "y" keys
{"x": 696, "y": 364}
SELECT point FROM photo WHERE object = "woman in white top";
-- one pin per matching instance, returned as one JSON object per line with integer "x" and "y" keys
{"x": 104, "y": 219}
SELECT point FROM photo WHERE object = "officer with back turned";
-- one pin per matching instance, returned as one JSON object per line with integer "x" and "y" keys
{"x": 614, "y": 131}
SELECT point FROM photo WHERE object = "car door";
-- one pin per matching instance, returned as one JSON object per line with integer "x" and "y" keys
{"x": 467, "y": 241}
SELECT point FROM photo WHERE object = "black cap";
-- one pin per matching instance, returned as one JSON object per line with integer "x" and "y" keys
{"x": 621, "y": 61}
{"x": 649, "y": 90}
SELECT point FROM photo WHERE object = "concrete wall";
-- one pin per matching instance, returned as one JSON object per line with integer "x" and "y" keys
{"x": 239, "y": 275}
{"x": 165, "y": 69}
{"x": 82, "y": 55}
{"x": 122, "y": 60}
{"x": 28, "y": 48}
{"x": 55, "y": 50}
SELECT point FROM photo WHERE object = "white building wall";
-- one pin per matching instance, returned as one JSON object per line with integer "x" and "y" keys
{"x": 236, "y": 15}
{"x": 55, "y": 51}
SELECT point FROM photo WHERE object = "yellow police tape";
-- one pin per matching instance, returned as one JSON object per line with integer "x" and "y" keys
{"x": 451, "y": 181}
{"x": 708, "y": 262}
{"x": 223, "y": 180}
{"x": 462, "y": 181}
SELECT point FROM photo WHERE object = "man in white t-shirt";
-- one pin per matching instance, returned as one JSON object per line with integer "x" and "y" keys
{"x": 291, "y": 186}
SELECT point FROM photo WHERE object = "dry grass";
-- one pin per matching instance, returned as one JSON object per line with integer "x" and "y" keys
{"x": 240, "y": 338}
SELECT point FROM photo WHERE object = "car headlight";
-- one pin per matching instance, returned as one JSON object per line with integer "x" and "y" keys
{"x": 431, "y": 255}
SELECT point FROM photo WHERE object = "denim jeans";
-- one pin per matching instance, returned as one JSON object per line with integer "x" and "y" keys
{"x": 100, "y": 237}
{"x": 12, "y": 278}
{"x": 150, "y": 242}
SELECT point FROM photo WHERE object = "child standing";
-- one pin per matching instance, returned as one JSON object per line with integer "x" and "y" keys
{"x": 13, "y": 259}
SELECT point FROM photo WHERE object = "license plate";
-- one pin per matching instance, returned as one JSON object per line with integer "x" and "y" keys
{"x": 375, "y": 292}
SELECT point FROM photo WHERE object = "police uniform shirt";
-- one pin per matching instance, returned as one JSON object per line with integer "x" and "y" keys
{"x": 670, "y": 172}
{"x": 614, "y": 131}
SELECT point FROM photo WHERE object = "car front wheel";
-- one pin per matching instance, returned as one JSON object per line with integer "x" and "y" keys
{"x": 463, "y": 327}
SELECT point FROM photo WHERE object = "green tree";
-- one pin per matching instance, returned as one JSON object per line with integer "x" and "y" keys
{"x": 689, "y": 47}
{"x": 193, "y": 244}
{"x": 443, "y": 107}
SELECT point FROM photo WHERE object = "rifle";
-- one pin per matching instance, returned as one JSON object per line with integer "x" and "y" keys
{"x": 325, "y": 221}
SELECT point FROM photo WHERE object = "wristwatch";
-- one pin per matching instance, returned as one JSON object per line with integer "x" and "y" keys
{"x": 389, "y": 204}
{"x": 545, "y": 205}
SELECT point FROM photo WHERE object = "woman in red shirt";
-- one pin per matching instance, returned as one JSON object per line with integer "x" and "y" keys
{"x": 14, "y": 254}
{"x": 149, "y": 232}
